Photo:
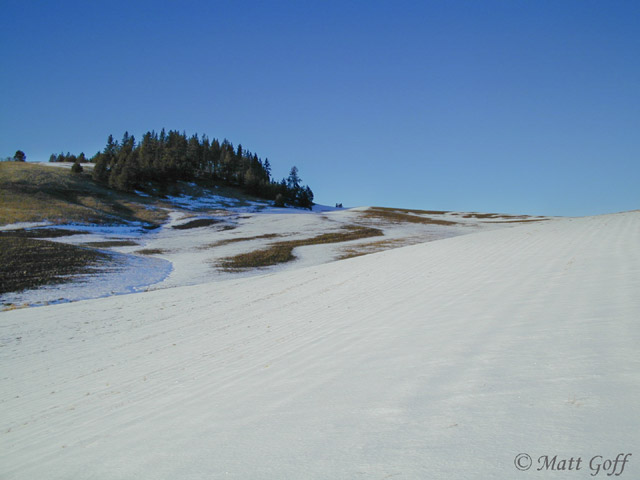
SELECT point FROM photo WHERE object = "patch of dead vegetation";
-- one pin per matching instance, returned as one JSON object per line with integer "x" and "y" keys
{"x": 403, "y": 216}
{"x": 520, "y": 221}
{"x": 227, "y": 241}
{"x": 200, "y": 222}
{"x": 27, "y": 263}
{"x": 266, "y": 257}
{"x": 375, "y": 247}
{"x": 281, "y": 252}
{"x": 151, "y": 251}
{"x": 112, "y": 243}
{"x": 40, "y": 233}
{"x": 409, "y": 210}
{"x": 33, "y": 193}
{"x": 482, "y": 216}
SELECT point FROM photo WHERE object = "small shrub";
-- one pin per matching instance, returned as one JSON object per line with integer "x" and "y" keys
{"x": 279, "y": 201}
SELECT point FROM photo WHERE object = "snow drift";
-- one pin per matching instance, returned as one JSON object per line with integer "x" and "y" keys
{"x": 440, "y": 360}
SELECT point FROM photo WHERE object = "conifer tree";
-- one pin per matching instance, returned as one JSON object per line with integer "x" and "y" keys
{"x": 267, "y": 168}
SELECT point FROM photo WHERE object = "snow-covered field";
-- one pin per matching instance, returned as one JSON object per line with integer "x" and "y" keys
{"x": 191, "y": 256}
{"x": 440, "y": 360}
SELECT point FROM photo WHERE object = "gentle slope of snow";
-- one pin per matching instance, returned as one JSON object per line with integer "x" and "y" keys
{"x": 440, "y": 360}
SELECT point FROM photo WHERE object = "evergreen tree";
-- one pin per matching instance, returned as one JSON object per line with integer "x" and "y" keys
{"x": 305, "y": 198}
{"x": 279, "y": 201}
{"x": 172, "y": 156}
{"x": 293, "y": 181}
{"x": 20, "y": 156}
{"x": 267, "y": 169}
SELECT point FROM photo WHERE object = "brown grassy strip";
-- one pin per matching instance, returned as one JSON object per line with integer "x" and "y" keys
{"x": 281, "y": 252}
{"x": 151, "y": 251}
{"x": 27, "y": 263}
{"x": 409, "y": 210}
{"x": 227, "y": 241}
{"x": 396, "y": 216}
{"x": 200, "y": 222}
{"x": 40, "y": 233}
{"x": 375, "y": 247}
{"x": 520, "y": 221}
{"x": 112, "y": 243}
{"x": 272, "y": 255}
{"x": 481, "y": 216}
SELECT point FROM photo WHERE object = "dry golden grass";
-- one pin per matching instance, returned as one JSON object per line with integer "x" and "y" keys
{"x": 112, "y": 243}
{"x": 281, "y": 252}
{"x": 502, "y": 218}
{"x": 481, "y": 215}
{"x": 520, "y": 221}
{"x": 40, "y": 233}
{"x": 375, "y": 247}
{"x": 227, "y": 241}
{"x": 200, "y": 222}
{"x": 33, "y": 193}
{"x": 266, "y": 257}
{"x": 151, "y": 251}
{"x": 403, "y": 216}
{"x": 409, "y": 210}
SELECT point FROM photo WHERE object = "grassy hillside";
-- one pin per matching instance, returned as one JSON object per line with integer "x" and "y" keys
{"x": 34, "y": 193}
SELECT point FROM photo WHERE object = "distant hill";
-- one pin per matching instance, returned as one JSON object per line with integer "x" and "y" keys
{"x": 37, "y": 193}
{"x": 167, "y": 157}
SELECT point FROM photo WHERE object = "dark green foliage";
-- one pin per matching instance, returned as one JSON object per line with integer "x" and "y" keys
{"x": 172, "y": 156}
{"x": 305, "y": 198}
{"x": 279, "y": 200}
{"x": 76, "y": 168}
{"x": 20, "y": 156}
{"x": 68, "y": 157}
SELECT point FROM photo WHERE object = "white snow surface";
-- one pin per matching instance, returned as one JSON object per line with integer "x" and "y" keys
{"x": 191, "y": 256}
{"x": 440, "y": 360}
{"x": 68, "y": 165}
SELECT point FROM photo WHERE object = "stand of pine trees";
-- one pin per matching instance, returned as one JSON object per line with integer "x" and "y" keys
{"x": 168, "y": 157}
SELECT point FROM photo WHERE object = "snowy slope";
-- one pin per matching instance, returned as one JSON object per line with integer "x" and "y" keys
{"x": 440, "y": 360}
{"x": 191, "y": 256}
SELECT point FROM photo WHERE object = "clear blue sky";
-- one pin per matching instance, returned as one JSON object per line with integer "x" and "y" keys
{"x": 509, "y": 106}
